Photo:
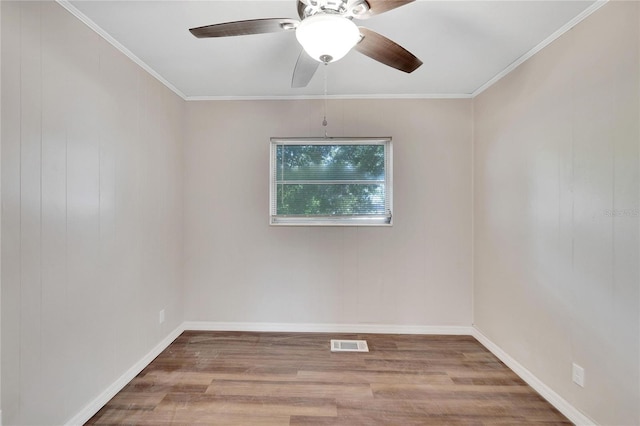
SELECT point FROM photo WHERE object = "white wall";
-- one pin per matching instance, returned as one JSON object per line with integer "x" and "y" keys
{"x": 91, "y": 213}
{"x": 239, "y": 269}
{"x": 93, "y": 193}
{"x": 0, "y": 217}
{"x": 556, "y": 277}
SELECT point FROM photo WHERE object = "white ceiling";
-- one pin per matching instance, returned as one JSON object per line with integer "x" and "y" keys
{"x": 464, "y": 45}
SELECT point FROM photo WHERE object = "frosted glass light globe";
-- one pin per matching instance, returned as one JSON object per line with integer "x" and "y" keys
{"x": 327, "y": 38}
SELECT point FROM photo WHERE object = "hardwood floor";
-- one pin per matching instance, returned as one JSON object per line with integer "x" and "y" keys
{"x": 237, "y": 378}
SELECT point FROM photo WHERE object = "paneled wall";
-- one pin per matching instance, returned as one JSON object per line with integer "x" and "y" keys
{"x": 0, "y": 218}
{"x": 91, "y": 213}
{"x": 240, "y": 269}
{"x": 556, "y": 214}
{"x": 92, "y": 186}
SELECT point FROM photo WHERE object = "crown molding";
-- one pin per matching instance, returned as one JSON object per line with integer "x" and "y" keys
{"x": 557, "y": 34}
{"x": 105, "y": 35}
{"x": 321, "y": 97}
{"x": 560, "y": 32}
{"x": 115, "y": 43}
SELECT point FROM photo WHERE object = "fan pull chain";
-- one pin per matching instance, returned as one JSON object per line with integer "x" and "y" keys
{"x": 324, "y": 121}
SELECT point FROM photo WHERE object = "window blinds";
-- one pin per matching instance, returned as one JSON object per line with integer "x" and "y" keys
{"x": 331, "y": 181}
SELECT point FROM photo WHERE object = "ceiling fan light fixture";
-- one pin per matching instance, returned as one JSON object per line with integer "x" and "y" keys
{"x": 327, "y": 37}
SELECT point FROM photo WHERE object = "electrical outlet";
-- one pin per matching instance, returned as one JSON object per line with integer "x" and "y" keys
{"x": 161, "y": 317}
{"x": 577, "y": 374}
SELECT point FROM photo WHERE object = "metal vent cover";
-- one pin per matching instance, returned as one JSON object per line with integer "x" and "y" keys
{"x": 349, "y": 346}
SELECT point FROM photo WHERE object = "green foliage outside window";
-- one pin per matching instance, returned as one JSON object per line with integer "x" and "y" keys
{"x": 330, "y": 180}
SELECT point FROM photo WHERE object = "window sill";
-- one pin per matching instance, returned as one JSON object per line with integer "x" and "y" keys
{"x": 331, "y": 221}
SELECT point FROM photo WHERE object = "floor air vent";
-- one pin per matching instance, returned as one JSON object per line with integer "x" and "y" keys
{"x": 349, "y": 346}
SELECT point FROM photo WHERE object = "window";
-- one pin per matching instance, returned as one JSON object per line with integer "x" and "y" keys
{"x": 331, "y": 181}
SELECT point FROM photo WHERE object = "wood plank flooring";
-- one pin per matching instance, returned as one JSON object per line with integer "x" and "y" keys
{"x": 238, "y": 378}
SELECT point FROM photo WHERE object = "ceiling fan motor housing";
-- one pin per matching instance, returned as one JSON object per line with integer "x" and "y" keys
{"x": 347, "y": 8}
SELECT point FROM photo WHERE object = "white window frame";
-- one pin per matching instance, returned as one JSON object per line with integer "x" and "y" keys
{"x": 355, "y": 220}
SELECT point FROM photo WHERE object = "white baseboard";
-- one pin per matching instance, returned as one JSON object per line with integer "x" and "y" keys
{"x": 94, "y": 406}
{"x": 571, "y": 412}
{"x": 327, "y": 328}
{"x": 546, "y": 392}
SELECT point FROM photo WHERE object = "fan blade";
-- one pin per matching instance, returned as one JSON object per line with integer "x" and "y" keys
{"x": 376, "y": 7}
{"x": 305, "y": 68}
{"x": 383, "y": 50}
{"x": 301, "y": 8}
{"x": 253, "y": 26}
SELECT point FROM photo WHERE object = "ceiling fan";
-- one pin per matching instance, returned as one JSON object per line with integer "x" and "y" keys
{"x": 326, "y": 32}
